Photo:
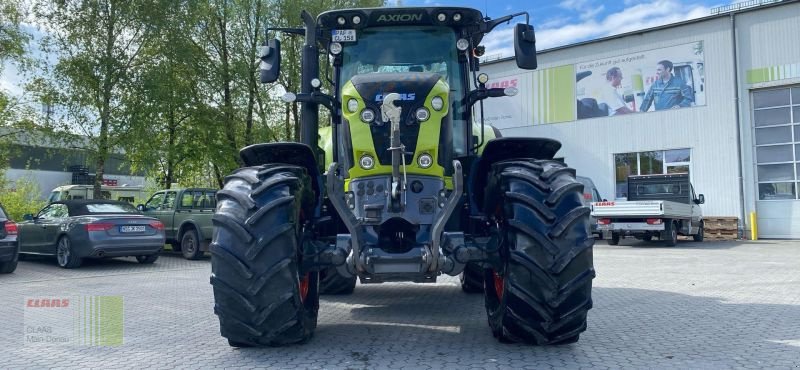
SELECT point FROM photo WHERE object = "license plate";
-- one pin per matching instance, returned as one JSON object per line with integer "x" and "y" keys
{"x": 131, "y": 229}
{"x": 343, "y": 35}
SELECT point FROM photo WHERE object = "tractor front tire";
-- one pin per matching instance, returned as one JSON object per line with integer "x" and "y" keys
{"x": 472, "y": 278}
{"x": 541, "y": 293}
{"x": 333, "y": 283}
{"x": 261, "y": 296}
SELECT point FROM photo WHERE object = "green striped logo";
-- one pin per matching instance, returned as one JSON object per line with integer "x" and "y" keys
{"x": 774, "y": 73}
{"x": 94, "y": 321}
{"x": 554, "y": 100}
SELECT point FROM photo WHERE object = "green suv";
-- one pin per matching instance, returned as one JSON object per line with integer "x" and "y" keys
{"x": 186, "y": 214}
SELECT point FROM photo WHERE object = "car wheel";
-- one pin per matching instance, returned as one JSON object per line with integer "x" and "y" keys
{"x": 9, "y": 266}
{"x": 66, "y": 255}
{"x": 700, "y": 234}
{"x": 146, "y": 260}
{"x": 190, "y": 245}
{"x": 614, "y": 239}
{"x": 672, "y": 234}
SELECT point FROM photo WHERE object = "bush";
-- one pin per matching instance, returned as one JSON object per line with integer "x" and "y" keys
{"x": 21, "y": 197}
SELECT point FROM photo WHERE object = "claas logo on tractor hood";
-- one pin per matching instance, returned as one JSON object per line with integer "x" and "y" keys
{"x": 400, "y": 18}
{"x": 404, "y": 97}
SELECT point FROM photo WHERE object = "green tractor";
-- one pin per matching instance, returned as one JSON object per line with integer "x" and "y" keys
{"x": 402, "y": 186}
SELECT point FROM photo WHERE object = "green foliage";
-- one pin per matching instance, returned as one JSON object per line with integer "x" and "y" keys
{"x": 21, "y": 197}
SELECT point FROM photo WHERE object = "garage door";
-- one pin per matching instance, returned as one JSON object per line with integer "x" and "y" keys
{"x": 776, "y": 116}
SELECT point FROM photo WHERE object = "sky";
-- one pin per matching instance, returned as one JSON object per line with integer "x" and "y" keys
{"x": 556, "y": 23}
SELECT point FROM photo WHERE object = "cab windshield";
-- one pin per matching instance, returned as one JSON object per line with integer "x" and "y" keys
{"x": 400, "y": 49}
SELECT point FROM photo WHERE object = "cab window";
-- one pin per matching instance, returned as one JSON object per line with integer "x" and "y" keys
{"x": 155, "y": 201}
{"x": 169, "y": 201}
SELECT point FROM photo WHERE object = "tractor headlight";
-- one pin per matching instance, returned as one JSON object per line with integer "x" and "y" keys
{"x": 457, "y": 17}
{"x": 366, "y": 162}
{"x": 336, "y": 48}
{"x": 341, "y": 21}
{"x": 367, "y": 115}
{"x": 425, "y": 160}
{"x": 356, "y": 19}
{"x": 441, "y": 17}
{"x": 462, "y": 44}
{"x": 352, "y": 105}
{"x": 422, "y": 114}
{"x": 437, "y": 103}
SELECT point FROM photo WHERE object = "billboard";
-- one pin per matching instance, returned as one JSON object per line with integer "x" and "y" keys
{"x": 653, "y": 80}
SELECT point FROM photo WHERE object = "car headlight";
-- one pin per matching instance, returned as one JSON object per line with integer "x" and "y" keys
{"x": 352, "y": 105}
{"x": 425, "y": 160}
{"x": 367, "y": 115}
{"x": 422, "y": 114}
{"x": 366, "y": 162}
{"x": 437, "y": 103}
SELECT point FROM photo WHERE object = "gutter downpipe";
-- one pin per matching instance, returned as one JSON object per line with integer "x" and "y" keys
{"x": 738, "y": 124}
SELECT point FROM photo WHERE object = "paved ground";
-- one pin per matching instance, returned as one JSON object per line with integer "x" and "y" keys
{"x": 710, "y": 305}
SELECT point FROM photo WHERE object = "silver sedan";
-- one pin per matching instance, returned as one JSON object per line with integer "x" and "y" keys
{"x": 73, "y": 230}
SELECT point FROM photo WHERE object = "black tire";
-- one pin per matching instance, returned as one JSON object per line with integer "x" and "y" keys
{"x": 333, "y": 283}
{"x": 261, "y": 297}
{"x": 671, "y": 234}
{"x": 65, "y": 255}
{"x": 472, "y": 278}
{"x": 148, "y": 259}
{"x": 190, "y": 245}
{"x": 614, "y": 239}
{"x": 8, "y": 267}
{"x": 700, "y": 233}
{"x": 542, "y": 292}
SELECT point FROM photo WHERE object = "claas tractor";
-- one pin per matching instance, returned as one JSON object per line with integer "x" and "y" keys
{"x": 406, "y": 184}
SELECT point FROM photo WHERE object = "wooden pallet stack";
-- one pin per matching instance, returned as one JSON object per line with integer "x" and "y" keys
{"x": 721, "y": 228}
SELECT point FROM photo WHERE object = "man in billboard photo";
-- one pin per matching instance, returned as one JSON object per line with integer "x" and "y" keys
{"x": 611, "y": 96}
{"x": 667, "y": 91}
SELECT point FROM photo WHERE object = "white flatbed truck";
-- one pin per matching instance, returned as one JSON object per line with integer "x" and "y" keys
{"x": 662, "y": 206}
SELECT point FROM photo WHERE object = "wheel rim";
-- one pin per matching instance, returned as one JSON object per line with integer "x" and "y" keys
{"x": 63, "y": 252}
{"x": 303, "y": 285}
{"x": 188, "y": 244}
{"x": 499, "y": 283}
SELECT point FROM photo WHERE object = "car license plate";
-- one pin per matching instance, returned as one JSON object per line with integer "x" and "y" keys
{"x": 131, "y": 229}
{"x": 343, "y": 35}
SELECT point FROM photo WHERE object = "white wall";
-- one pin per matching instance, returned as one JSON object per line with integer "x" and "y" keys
{"x": 766, "y": 37}
{"x": 709, "y": 131}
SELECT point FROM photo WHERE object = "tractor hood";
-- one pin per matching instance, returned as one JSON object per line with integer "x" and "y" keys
{"x": 412, "y": 87}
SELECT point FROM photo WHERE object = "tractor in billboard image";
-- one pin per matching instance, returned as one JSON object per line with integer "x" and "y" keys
{"x": 401, "y": 187}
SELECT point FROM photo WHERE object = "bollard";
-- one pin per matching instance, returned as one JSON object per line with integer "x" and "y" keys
{"x": 753, "y": 226}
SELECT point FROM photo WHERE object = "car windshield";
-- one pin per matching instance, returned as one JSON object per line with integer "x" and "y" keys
{"x": 54, "y": 196}
{"x": 660, "y": 189}
{"x": 108, "y": 208}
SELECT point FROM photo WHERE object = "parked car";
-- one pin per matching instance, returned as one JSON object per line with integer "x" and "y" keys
{"x": 123, "y": 193}
{"x": 73, "y": 230}
{"x": 662, "y": 206}
{"x": 591, "y": 195}
{"x": 186, "y": 214}
{"x": 9, "y": 249}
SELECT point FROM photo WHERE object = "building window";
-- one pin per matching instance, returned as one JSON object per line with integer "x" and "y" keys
{"x": 657, "y": 162}
{"x": 776, "y": 117}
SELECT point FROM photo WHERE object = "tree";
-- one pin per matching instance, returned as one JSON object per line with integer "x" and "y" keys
{"x": 98, "y": 43}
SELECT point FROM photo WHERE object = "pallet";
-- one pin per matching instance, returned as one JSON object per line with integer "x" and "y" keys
{"x": 721, "y": 228}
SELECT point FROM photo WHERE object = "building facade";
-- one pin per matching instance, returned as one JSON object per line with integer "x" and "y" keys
{"x": 716, "y": 97}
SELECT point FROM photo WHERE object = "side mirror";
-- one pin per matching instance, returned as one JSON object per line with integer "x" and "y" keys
{"x": 525, "y": 46}
{"x": 270, "y": 64}
{"x": 701, "y": 199}
{"x": 140, "y": 208}
{"x": 27, "y": 217}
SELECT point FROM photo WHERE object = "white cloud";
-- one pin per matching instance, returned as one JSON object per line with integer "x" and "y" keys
{"x": 641, "y": 16}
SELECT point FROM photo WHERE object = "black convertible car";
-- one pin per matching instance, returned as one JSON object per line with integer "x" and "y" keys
{"x": 73, "y": 230}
